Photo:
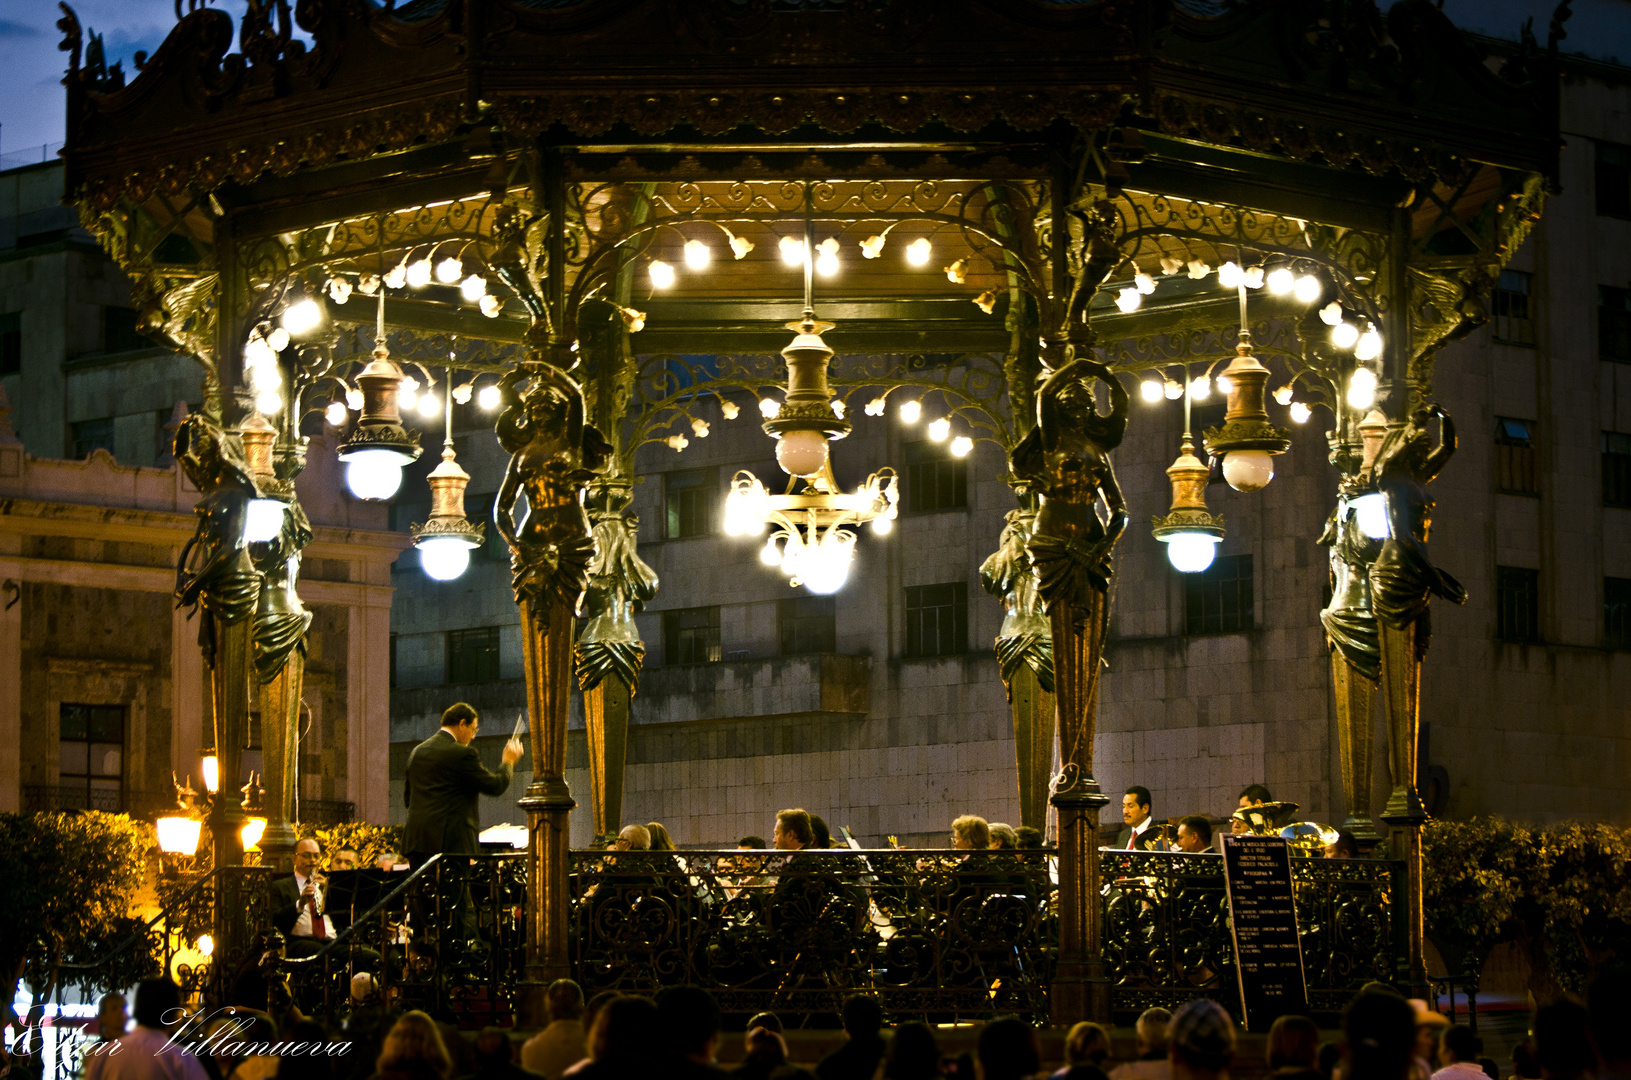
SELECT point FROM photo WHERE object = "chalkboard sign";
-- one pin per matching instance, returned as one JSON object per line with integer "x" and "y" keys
{"x": 1263, "y": 919}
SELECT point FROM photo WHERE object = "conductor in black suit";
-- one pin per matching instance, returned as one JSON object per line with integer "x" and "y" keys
{"x": 444, "y": 785}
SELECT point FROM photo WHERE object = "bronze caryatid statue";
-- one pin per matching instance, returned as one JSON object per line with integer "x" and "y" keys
{"x": 1025, "y": 652}
{"x": 279, "y": 650}
{"x": 609, "y": 654}
{"x": 215, "y": 573}
{"x": 1356, "y": 652}
{"x": 554, "y": 454}
{"x": 1402, "y": 582}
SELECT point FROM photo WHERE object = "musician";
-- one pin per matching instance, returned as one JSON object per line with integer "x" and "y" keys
{"x": 1255, "y": 795}
{"x": 1194, "y": 834}
{"x": 1141, "y": 833}
{"x": 297, "y": 904}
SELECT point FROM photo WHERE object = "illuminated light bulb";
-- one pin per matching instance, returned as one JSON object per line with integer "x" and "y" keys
{"x": 1308, "y": 289}
{"x": 1198, "y": 269}
{"x": 697, "y": 254}
{"x": 875, "y": 407}
{"x": 825, "y": 569}
{"x": 770, "y": 555}
{"x": 1229, "y": 275}
{"x": 448, "y": 270}
{"x": 1151, "y": 390}
{"x": 407, "y": 399}
{"x": 1282, "y": 394}
{"x": 1362, "y": 388}
{"x": 1128, "y": 299}
{"x": 1369, "y": 345}
{"x": 699, "y": 428}
{"x": 335, "y": 414}
{"x": 1331, "y": 314}
{"x": 918, "y": 252}
{"x": 801, "y": 453}
{"x": 1344, "y": 335}
{"x": 1248, "y": 470}
{"x": 662, "y": 275}
{"x": 1226, "y": 385}
{"x": 265, "y": 377}
{"x": 397, "y": 276}
{"x": 1199, "y": 388}
{"x": 473, "y": 288}
{"x": 418, "y": 275}
{"x": 939, "y": 429}
{"x": 883, "y": 525}
{"x": 210, "y": 765}
{"x": 206, "y": 943}
{"x": 1144, "y": 283}
{"x": 838, "y": 409}
{"x": 444, "y": 558}
{"x": 278, "y": 339}
{"x": 461, "y": 394}
{"x": 268, "y": 403}
{"x": 768, "y": 408}
{"x": 1253, "y": 277}
{"x": 677, "y": 442}
{"x": 1370, "y": 514}
{"x": 740, "y": 246}
{"x": 1190, "y": 553}
{"x": 1281, "y": 281}
{"x": 961, "y": 446}
{"x": 1300, "y": 413}
{"x": 957, "y": 272}
{"x": 910, "y": 411}
{"x": 374, "y": 474}
{"x": 827, "y": 261}
{"x": 986, "y": 301}
{"x": 368, "y": 284}
{"x": 301, "y": 317}
{"x": 490, "y": 305}
{"x": 1170, "y": 267}
{"x": 251, "y": 833}
{"x": 257, "y": 351}
{"x": 263, "y": 520}
{"x": 489, "y": 398}
{"x": 1173, "y": 389}
{"x": 430, "y": 406}
{"x": 178, "y": 835}
{"x": 339, "y": 289}
{"x": 729, "y": 410}
{"x": 353, "y": 399}
{"x": 634, "y": 320}
{"x": 792, "y": 249}
{"x": 872, "y": 247}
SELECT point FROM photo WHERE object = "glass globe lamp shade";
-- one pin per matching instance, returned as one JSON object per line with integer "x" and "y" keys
{"x": 1370, "y": 513}
{"x": 1191, "y": 552}
{"x": 825, "y": 569}
{"x": 770, "y": 554}
{"x": 263, "y": 521}
{"x": 206, "y": 944}
{"x": 801, "y": 453}
{"x": 211, "y": 768}
{"x": 251, "y": 833}
{"x": 444, "y": 558}
{"x": 374, "y": 474}
{"x": 178, "y": 835}
{"x": 1248, "y": 470}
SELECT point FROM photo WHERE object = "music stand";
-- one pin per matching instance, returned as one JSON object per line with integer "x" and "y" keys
{"x": 355, "y": 891}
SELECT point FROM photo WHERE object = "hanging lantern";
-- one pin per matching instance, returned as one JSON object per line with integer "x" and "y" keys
{"x": 1189, "y": 530}
{"x": 378, "y": 445}
{"x": 1247, "y": 440}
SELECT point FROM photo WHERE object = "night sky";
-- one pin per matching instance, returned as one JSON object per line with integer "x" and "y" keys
{"x": 31, "y": 102}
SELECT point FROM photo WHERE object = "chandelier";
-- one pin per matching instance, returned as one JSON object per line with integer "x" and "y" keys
{"x": 812, "y": 524}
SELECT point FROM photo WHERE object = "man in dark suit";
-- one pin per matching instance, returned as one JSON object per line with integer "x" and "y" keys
{"x": 298, "y": 909}
{"x": 1141, "y": 832}
{"x": 444, "y": 785}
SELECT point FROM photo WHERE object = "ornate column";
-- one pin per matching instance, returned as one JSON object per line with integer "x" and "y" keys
{"x": 610, "y": 652}
{"x": 553, "y": 455}
{"x": 1024, "y": 648}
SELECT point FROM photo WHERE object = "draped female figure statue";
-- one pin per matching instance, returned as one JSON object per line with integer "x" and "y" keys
{"x": 1356, "y": 653}
{"x": 279, "y": 649}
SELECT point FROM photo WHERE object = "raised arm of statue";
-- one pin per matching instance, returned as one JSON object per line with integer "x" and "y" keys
{"x": 1440, "y": 456}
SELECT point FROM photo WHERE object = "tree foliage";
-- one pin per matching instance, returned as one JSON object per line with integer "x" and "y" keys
{"x": 371, "y": 841}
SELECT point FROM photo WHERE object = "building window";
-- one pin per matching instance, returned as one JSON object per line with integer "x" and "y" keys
{"x": 11, "y": 343}
{"x": 472, "y": 655}
{"x": 89, "y": 435}
{"x": 808, "y": 624}
{"x": 934, "y": 479}
{"x": 689, "y": 498}
{"x": 1515, "y": 456}
{"x": 91, "y": 756}
{"x": 1613, "y": 180}
{"x": 1514, "y": 324}
{"x": 1616, "y": 469}
{"x": 1218, "y": 600}
{"x": 1614, "y": 324}
{"x": 1617, "y": 612}
{"x": 119, "y": 331}
{"x": 937, "y": 619}
{"x": 1517, "y": 603}
{"x": 691, "y": 635}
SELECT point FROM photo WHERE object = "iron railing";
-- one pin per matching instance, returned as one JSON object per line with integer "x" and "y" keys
{"x": 45, "y": 798}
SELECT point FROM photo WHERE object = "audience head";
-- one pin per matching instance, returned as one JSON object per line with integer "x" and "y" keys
{"x": 913, "y": 1053}
{"x": 1200, "y": 1039}
{"x": 1330, "y": 1057}
{"x": 1563, "y": 1040}
{"x": 767, "y": 1020}
{"x": 563, "y": 1000}
{"x": 362, "y": 987}
{"x": 751, "y": 843}
{"x": 624, "y": 1026}
{"x": 492, "y": 1046}
{"x": 1194, "y": 833}
{"x": 1491, "y": 1070}
{"x": 1008, "y": 1050}
{"x": 1256, "y": 795}
{"x": 793, "y": 830}
{"x": 593, "y": 1006}
{"x": 970, "y": 833}
{"x": 633, "y": 838}
{"x": 820, "y": 835}
{"x": 111, "y": 1016}
{"x": 158, "y": 1002}
{"x": 689, "y": 1018}
{"x": 1027, "y": 838}
{"x": 660, "y": 840}
{"x": 460, "y": 721}
{"x": 1608, "y": 1009}
{"x": 1152, "y": 1032}
{"x": 1343, "y": 847}
{"x": 1524, "y": 1063}
{"x": 414, "y": 1040}
{"x": 766, "y": 1045}
{"x": 1003, "y": 837}
{"x": 1087, "y": 1044}
{"x": 1429, "y": 1023}
{"x": 1378, "y": 1036}
{"x": 1294, "y": 1042}
{"x": 1135, "y": 805}
{"x": 863, "y": 1016}
{"x": 1458, "y": 1043}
